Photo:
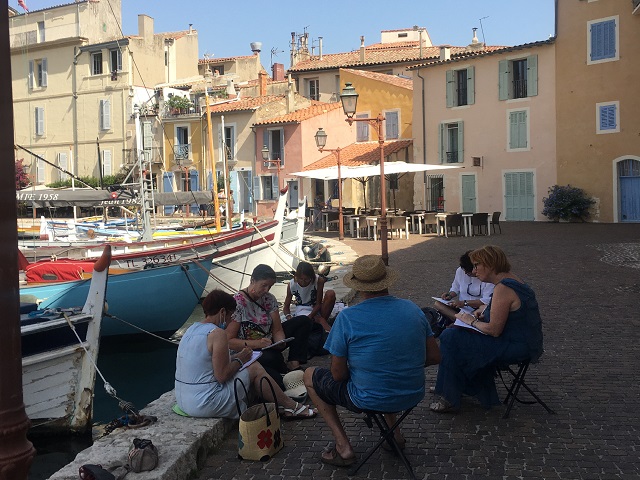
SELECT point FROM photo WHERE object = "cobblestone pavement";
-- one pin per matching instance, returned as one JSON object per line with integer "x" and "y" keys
{"x": 587, "y": 282}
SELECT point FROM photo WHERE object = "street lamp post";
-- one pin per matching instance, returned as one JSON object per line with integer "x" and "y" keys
{"x": 321, "y": 141}
{"x": 349, "y": 99}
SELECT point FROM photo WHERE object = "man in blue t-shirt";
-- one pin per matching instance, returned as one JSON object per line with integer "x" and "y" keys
{"x": 379, "y": 349}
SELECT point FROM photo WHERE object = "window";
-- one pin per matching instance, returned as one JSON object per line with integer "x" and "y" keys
{"x": 230, "y": 141}
{"x": 313, "y": 89}
{"x": 116, "y": 60}
{"x": 461, "y": 87}
{"x": 607, "y": 117}
{"x": 602, "y": 40}
{"x": 106, "y": 162}
{"x": 38, "y": 76}
{"x": 265, "y": 187}
{"x": 105, "y": 114}
{"x": 518, "y": 78}
{"x": 362, "y": 128}
{"x": 518, "y": 129}
{"x": 182, "y": 147}
{"x": 274, "y": 140}
{"x": 391, "y": 125}
{"x": 451, "y": 142}
{"x": 41, "y": 37}
{"x": 39, "y": 120}
{"x": 96, "y": 63}
{"x": 63, "y": 163}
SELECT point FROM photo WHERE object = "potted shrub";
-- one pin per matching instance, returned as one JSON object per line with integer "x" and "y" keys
{"x": 178, "y": 104}
{"x": 567, "y": 203}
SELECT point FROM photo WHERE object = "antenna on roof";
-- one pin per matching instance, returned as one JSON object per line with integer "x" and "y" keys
{"x": 482, "y": 30}
{"x": 274, "y": 53}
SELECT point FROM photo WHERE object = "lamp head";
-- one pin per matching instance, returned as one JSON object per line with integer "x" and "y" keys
{"x": 321, "y": 138}
{"x": 349, "y": 99}
{"x": 265, "y": 153}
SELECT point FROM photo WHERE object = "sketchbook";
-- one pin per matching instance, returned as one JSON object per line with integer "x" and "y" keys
{"x": 255, "y": 355}
{"x": 280, "y": 342}
{"x": 460, "y": 323}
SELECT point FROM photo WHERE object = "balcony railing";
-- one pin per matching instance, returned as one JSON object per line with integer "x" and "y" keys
{"x": 179, "y": 112}
{"x": 452, "y": 157}
{"x": 520, "y": 88}
{"x": 152, "y": 154}
{"x": 182, "y": 152}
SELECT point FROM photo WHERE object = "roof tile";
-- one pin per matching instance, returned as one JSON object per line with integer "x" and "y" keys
{"x": 317, "y": 108}
{"x": 383, "y": 77}
{"x": 356, "y": 154}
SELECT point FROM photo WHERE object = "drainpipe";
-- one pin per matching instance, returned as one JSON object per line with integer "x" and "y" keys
{"x": 424, "y": 142}
{"x": 74, "y": 90}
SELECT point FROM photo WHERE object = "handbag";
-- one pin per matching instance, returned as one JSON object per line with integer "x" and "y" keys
{"x": 259, "y": 433}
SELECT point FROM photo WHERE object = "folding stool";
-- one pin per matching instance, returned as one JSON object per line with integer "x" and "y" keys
{"x": 518, "y": 381}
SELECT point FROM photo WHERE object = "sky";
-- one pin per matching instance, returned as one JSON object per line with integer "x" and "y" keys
{"x": 225, "y": 29}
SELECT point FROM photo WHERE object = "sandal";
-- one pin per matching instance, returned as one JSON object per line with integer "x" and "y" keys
{"x": 443, "y": 406}
{"x": 336, "y": 460}
{"x": 299, "y": 411}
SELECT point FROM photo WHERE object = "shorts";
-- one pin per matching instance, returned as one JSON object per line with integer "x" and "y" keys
{"x": 331, "y": 391}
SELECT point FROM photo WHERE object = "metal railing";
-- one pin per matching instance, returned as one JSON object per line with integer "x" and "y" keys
{"x": 520, "y": 88}
{"x": 182, "y": 152}
{"x": 452, "y": 157}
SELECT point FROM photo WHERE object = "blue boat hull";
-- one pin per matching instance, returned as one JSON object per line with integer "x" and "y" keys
{"x": 157, "y": 300}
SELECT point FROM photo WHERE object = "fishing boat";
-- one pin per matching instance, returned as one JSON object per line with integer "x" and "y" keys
{"x": 58, "y": 367}
{"x": 158, "y": 299}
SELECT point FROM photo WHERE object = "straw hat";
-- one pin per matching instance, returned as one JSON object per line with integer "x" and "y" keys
{"x": 370, "y": 274}
{"x": 294, "y": 385}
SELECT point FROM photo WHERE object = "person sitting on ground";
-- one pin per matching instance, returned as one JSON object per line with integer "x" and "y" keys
{"x": 379, "y": 349}
{"x": 206, "y": 372}
{"x": 512, "y": 333}
{"x": 466, "y": 291}
{"x": 256, "y": 324}
{"x": 311, "y": 299}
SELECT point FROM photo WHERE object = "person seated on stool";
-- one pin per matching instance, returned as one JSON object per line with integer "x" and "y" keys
{"x": 379, "y": 349}
{"x": 310, "y": 297}
{"x": 466, "y": 291}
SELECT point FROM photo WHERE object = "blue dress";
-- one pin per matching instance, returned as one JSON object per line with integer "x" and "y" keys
{"x": 469, "y": 358}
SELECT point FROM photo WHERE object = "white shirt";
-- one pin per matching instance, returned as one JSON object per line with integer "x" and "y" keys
{"x": 471, "y": 288}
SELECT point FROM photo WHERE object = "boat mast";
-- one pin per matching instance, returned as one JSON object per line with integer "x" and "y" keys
{"x": 214, "y": 179}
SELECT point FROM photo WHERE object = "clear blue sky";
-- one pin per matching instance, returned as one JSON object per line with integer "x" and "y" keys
{"x": 226, "y": 29}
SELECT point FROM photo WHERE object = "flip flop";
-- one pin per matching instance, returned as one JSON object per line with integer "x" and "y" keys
{"x": 300, "y": 411}
{"x": 336, "y": 460}
{"x": 443, "y": 406}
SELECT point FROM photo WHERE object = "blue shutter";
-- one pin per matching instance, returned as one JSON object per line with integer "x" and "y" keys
{"x": 257, "y": 189}
{"x": 451, "y": 88}
{"x": 503, "y": 79}
{"x": 532, "y": 75}
{"x": 603, "y": 40}
{"x": 441, "y": 142}
{"x": 460, "y": 142}
{"x": 608, "y": 117}
{"x": 167, "y": 185}
{"x": 194, "y": 185}
{"x": 471, "y": 85}
{"x": 391, "y": 126}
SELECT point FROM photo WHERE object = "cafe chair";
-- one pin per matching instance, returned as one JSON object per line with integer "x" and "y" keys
{"x": 399, "y": 224}
{"x": 430, "y": 221}
{"x": 495, "y": 220}
{"x": 454, "y": 223}
{"x": 386, "y": 435}
{"x": 479, "y": 220}
{"x": 517, "y": 372}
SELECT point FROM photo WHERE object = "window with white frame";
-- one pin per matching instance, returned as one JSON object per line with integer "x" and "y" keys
{"x": 182, "y": 146}
{"x": 460, "y": 87}
{"x": 391, "y": 120}
{"x": 38, "y": 76}
{"x": 105, "y": 114}
{"x": 96, "y": 63}
{"x": 41, "y": 32}
{"x": 265, "y": 187}
{"x": 115, "y": 60}
{"x": 607, "y": 117}
{"x": 106, "y": 163}
{"x": 518, "y": 129}
{"x": 274, "y": 140}
{"x": 39, "y": 121}
{"x": 602, "y": 40}
{"x": 362, "y": 128}
{"x": 518, "y": 78}
{"x": 63, "y": 163}
{"x": 313, "y": 89}
{"x": 451, "y": 142}
{"x": 230, "y": 141}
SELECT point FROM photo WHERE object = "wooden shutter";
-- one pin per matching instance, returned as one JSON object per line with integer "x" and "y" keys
{"x": 503, "y": 80}
{"x": 518, "y": 129}
{"x": 63, "y": 164}
{"x": 45, "y": 75}
{"x": 39, "y": 120}
{"x": 106, "y": 162}
{"x": 608, "y": 117}
{"x": 451, "y": 88}
{"x": 40, "y": 173}
{"x": 362, "y": 129}
{"x": 532, "y": 75}
{"x": 147, "y": 140}
{"x": 441, "y": 142}
{"x": 167, "y": 186}
{"x": 281, "y": 153}
{"x": 471, "y": 85}
{"x": 460, "y": 142}
{"x": 391, "y": 124}
{"x": 603, "y": 40}
{"x": 105, "y": 114}
{"x": 220, "y": 143}
{"x": 257, "y": 188}
{"x": 31, "y": 74}
{"x": 275, "y": 189}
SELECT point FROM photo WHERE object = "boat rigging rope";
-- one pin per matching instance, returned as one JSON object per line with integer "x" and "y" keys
{"x": 141, "y": 330}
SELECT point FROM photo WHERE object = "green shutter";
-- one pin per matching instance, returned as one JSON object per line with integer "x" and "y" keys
{"x": 31, "y": 74}
{"x": 451, "y": 88}
{"x": 460, "y": 142}
{"x": 471, "y": 85}
{"x": 441, "y": 142}
{"x": 513, "y": 129}
{"x": 522, "y": 140}
{"x": 532, "y": 75}
{"x": 503, "y": 80}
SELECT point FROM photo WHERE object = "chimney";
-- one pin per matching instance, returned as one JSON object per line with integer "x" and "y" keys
{"x": 445, "y": 53}
{"x": 231, "y": 90}
{"x": 262, "y": 81}
{"x": 362, "y": 49}
{"x": 145, "y": 28}
{"x": 475, "y": 44}
{"x": 256, "y": 47}
{"x": 319, "y": 48}
{"x": 291, "y": 100}
{"x": 292, "y": 58}
{"x": 190, "y": 28}
{"x": 277, "y": 72}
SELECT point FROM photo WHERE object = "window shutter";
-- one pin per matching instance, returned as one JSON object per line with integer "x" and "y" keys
{"x": 106, "y": 162}
{"x": 503, "y": 80}
{"x": 603, "y": 40}
{"x": 608, "y": 117}
{"x": 275, "y": 190}
{"x": 105, "y": 114}
{"x": 167, "y": 186}
{"x": 391, "y": 126}
{"x": 147, "y": 140}
{"x": 522, "y": 130}
{"x": 39, "y": 120}
{"x": 281, "y": 153}
{"x": 362, "y": 131}
{"x": 471, "y": 85}
{"x": 532, "y": 75}
{"x": 451, "y": 88}
{"x": 63, "y": 164}
{"x": 441, "y": 142}
{"x": 257, "y": 187}
{"x": 460, "y": 142}
{"x": 513, "y": 129}
{"x": 40, "y": 177}
{"x": 31, "y": 68}
{"x": 220, "y": 143}
{"x": 45, "y": 76}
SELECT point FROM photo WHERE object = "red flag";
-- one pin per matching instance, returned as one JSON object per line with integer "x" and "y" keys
{"x": 23, "y": 5}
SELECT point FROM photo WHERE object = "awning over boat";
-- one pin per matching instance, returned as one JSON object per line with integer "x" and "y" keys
{"x": 86, "y": 197}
